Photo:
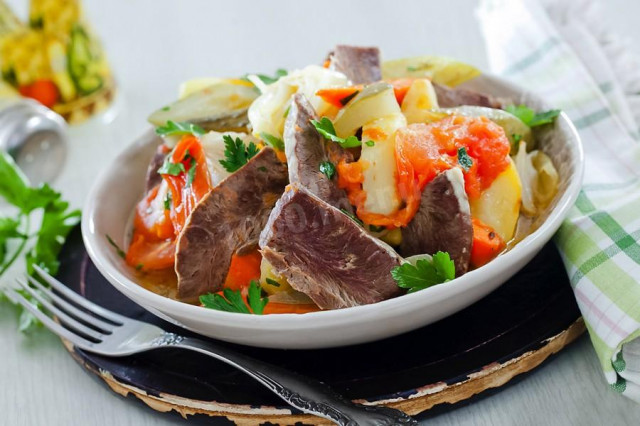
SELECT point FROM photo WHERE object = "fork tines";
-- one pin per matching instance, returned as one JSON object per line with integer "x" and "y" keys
{"x": 77, "y": 319}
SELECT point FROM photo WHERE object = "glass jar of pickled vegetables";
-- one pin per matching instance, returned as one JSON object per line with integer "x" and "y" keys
{"x": 55, "y": 59}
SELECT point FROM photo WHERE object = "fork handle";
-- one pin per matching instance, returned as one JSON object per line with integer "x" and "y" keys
{"x": 305, "y": 394}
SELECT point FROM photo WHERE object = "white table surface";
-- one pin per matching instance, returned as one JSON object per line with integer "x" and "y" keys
{"x": 155, "y": 44}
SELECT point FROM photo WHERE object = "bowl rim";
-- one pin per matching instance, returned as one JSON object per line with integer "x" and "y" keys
{"x": 532, "y": 242}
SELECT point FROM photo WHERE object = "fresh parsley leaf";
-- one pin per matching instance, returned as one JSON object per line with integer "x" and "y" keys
{"x": 115, "y": 245}
{"x": 545, "y": 117}
{"x": 9, "y": 229}
{"x": 516, "y": 138}
{"x": 353, "y": 217}
{"x": 530, "y": 117}
{"x": 425, "y": 273}
{"x": 171, "y": 168}
{"x": 463, "y": 159}
{"x": 16, "y": 191}
{"x": 228, "y": 301}
{"x": 57, "y": 222}
{"x": 255, "y": 299}
{"x": 346, "y": 99}
{"x": 181, "y": 128}
{"x": 272, "y": 282}
{"x": 236, "y": 153}
{"x": 191, "y": 174}
{"x": 328, "y": 169}
{"x": 232, "y": 301}
{"x": 167, "y": 201}
{"x": 326, "y": 129}
{"x": 273, "y": 141}
{"x": 370, "y": 143}
{"x": 420, "y": 67}
{"x": 42, "y": 247}
{"x": 280, "y": 72}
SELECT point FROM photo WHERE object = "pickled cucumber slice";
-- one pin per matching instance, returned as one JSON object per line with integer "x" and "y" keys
{"x": 83, "y": 66}
{"x": 438, "y": 69}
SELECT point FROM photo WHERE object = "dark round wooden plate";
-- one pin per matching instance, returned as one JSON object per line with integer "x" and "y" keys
{"x": 510, "y": 332}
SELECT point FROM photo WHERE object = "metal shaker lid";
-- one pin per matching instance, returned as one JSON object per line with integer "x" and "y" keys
{"x": 35, "y": 136}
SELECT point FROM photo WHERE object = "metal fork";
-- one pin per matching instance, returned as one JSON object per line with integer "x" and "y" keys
{"x": 95, "y": 329}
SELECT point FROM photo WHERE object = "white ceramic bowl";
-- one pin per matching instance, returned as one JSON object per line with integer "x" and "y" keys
{"x": 120, "y": 186}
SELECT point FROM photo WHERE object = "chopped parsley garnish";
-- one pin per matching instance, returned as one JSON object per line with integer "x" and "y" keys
{"x": 167, "y": 201}
{"x": 516, "y": 138}
{"x": 353, "y": 217}
{"x": 420, "y": 67}
{"x": 181, "y": 128}
{"x": 286, "y": 111}
{"x": 328, "y": 169}
{"x": 369, "y": 143}
{"x": 232, "y": 300}
{"x": 425, "y": 273}
{"x": 236, "y": 153}
{"x": 272, "y": 282}
{"x": 266, "y": 79}
{"x": 167, "y": 108}
{"x": 139, "y": 267}
{"x": 346, "y": 99}
{"x": 463, "y": 159}
{"x": 262, "y": 168}
{"x": 530, "y": 117}
{"x": 273, "y": 141}
{"x": 326, "y": 129}
{"x": 120, "y": 252}
{"x": 175, "y": 169}
{"x": 171, "y": 168}
{"x": 375, "y": 228}
{"x": 191, "y": 174}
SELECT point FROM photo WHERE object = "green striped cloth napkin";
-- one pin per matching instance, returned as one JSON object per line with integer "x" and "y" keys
{"x": 559, "y": 51}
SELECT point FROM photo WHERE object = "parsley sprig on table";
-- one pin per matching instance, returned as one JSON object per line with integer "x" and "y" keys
{"x": 41, "y": 247}
{"x": 232, "y": 300}
{"x": 530, "y": 117}
{"x": 182, "y": 128}
{"x": 425, "y": 273}
{"x": 324, "y": 126}
{"x": 236, "y": 153}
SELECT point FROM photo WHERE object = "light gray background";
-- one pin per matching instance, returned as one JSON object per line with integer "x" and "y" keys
{"x": 155, "y": 44}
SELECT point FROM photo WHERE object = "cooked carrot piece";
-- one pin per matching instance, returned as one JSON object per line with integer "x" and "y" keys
{"x": 289, "y": 308}
{"x": 242, "y": 270}
{"x": 486, "y": 244}
{"x": 338, "y": 96}
{"x": 401, "y": 87}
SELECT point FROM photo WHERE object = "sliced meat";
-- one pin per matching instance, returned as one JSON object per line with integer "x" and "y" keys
{"x": 361, "y": 65}
{"x": 325, "y": 254}
{"x": 449, "y": 98}
{"x": 443, "y": 221}
{"x": 305, "y": 150}
{"x": 336, "y": 153}
{"x": 228, "y": 218}
{"x": 153, "y": 177}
